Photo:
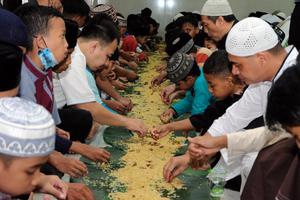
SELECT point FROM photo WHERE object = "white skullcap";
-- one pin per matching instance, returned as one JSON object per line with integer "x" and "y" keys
{"x": 196, "y": 12}
{"x": 250, "y": 36}
{"x": 122, "y": 21}
{"x": 26, "y": 129}
{"x": 177, "y": 16}
{"x": 215, "y": 8}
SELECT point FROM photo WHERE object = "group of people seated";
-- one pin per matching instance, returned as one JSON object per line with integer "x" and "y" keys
{"x": 234, "y": 87}
{"x": 63, "y": 64}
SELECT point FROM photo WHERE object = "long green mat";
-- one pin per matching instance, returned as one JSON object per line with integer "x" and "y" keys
{"x": 196, "y": 184}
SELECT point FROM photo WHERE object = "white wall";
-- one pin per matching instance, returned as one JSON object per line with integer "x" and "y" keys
{"x": 164, "y": 15}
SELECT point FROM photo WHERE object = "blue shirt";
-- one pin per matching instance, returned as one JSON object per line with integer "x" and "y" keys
{"x": 196, "y": 99}
{"x": 93, "y": 85}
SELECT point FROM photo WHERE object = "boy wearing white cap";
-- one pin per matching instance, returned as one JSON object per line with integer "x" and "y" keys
{"x": 217, "y": 20}
{"x": 27, "y": 138}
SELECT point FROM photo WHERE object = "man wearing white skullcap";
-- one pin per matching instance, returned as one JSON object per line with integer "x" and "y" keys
{"x": 217, "y": 20}
{"x": 27, "y": 138}
{"x": 259, "y": 59}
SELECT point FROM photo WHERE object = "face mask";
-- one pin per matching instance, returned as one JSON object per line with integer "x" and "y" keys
{"x": 47, "y": 58}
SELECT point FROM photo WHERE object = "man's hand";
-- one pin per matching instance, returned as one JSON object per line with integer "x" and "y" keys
{"x": 137, "y": 125}
{"x": 175, "y": 166}
{"x": 79, "y": 191}
{"x": 205, "y": 146}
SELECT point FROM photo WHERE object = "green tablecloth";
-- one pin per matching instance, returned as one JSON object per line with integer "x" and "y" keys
{"x": 197, "y": 186}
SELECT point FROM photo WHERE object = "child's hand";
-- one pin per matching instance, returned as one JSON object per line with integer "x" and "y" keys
{"x": 133, "y": 65}
{"x": 94, "y": 153}
{"x": 165, "y": 93}
{"x": 127, "y": 103}
{"x": 116, "y": 106}
{"x": 174, "y": 95}
{"x": 62, "y": 133}
{"x": 52, "y": 185}
{"x": 71, "y": 166}
{"x": 119, "y": 85}
{"x": 175, "y": 166}
{"x": 160, "y": 131}
{"x": 157, "y": 80}
{"x": 79, "y": 191}
{"x": 167, "y": 115}
{"x": 160, "y": 68}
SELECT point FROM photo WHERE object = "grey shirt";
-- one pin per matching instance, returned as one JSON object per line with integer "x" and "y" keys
{"x": 28, "y": 90}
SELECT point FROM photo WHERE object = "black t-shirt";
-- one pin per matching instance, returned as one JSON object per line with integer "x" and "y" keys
{"x": 203, "y": 121}
{"x": 212, "y": 112}
{"x": 199, "y": 39}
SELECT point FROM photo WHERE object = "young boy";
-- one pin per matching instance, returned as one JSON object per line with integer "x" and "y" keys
{"x": 210, "y": 44}
{"x": 189, "y": 24}
{"x": 224, "y": 87}
{"x": 28, "y": 137}
{"x": 15, "y": 32}
{"x": 77, "y": 10}
{"x": 185, "y": 73}
{"x": 136, "y": 38}
{"x": 47, "y": 48}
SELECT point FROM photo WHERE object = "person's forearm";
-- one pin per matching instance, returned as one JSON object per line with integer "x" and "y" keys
{"x": 163, "y": 74}
{"x": 123, "y": 61}
{"x": 77, "y": 147}
{"x": 221, "y": 141}
{"x": 107, "y": 87}
{"x": 183, "y": 125}
{"x": 103, "y": 116}
{"x": 53, "y": 157}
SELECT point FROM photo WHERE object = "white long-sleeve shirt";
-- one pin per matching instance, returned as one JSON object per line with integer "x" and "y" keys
{"x": 252, "y": 105}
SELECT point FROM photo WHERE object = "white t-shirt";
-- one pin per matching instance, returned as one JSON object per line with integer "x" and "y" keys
{"x": 59, "y": 95}
{"x": 74, "y": 81}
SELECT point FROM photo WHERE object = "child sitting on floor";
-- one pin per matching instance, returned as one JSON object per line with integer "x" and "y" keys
{"x": 224, "y": 86}
{"x": 27, "y": 138}
{"x": 185, "y": 73}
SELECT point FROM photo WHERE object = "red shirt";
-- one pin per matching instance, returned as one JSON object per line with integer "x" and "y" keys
{"x": 129, "y": 43}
